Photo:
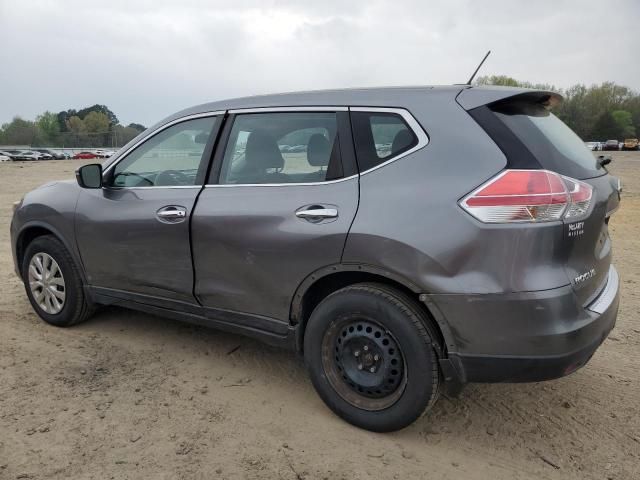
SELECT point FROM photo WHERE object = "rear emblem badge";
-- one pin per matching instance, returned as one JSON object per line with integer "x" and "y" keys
{"x": 584, "y": 277}
{"x": 576, "y": 229}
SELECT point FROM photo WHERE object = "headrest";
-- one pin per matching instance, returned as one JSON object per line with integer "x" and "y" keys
{"x": 262, "y": 151}
{"x": 401, "y": 141}
{"x": 318, "y": 150}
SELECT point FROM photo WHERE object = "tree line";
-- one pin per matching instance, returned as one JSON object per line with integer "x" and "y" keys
{"x": 596, "y": 113}
{"x": 94, "y": 126}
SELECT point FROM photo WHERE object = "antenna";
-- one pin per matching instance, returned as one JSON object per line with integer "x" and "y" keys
{"x": 474, "y": 73}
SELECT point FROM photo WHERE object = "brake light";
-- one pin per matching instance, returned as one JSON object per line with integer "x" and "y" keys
{"x": 528, "y": 196}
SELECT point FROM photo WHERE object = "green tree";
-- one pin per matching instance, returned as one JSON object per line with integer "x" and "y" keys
{"x": 137, "y": 126}
{"x": 49, "y": 129}
{"x": 506, "y": 81}
{"x": 624, "y": 121}
{"x": 124, "y": 135}
{"x": 96, "y": 122}
{"x": 113, "y": 120}
{"x": 605, "y": 127}
{"x": 19, "y": 132}
{"x": 76, "y": 125}
{"x": 501, "y": 80}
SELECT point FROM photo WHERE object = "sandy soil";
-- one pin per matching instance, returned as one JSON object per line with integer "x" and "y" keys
{"x": 128, "y": 395}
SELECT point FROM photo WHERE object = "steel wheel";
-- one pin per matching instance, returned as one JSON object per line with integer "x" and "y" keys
{"x": 46, "y": 283}
{"x": 364, "y": 363}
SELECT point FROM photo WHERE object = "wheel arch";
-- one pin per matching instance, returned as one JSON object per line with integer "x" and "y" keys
{"x": 327, "y": 280}
{"x": 32, "y": 230}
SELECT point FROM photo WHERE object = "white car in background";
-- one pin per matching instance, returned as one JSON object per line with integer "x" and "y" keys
{"x": 4, "y": 158}
{"x": 29, "y": 155}
{"x": 104, "y": 153}
{"x": 593, "y": 145}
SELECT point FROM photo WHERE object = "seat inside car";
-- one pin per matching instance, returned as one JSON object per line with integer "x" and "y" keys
{"x": 261, "y": 155}
{"x": 401, "y": 141}
{"x": 318, "y": 155}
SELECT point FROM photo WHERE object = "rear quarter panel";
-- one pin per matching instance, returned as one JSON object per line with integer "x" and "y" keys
{"x": 409, "y": 221}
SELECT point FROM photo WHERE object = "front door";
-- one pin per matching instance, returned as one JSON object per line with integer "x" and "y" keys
{"x": 278, "y": 206}
{"x": 133, "y": 234}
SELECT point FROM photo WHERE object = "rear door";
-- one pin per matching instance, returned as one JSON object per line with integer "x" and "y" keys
{"x": 278, "y": 205}
{"x": 533, "y": 137}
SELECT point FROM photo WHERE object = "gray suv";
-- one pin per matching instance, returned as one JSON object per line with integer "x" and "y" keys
{"x": 403, "y": 240}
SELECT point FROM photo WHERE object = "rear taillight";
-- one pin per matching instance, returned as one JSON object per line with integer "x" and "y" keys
{"x": 528, "y": 196}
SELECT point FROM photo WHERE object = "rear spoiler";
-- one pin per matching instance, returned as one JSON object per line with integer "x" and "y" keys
{"x": 474, "y": 97}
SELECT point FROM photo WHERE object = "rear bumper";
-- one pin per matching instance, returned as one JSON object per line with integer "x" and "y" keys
{"x": 526, "y": 337}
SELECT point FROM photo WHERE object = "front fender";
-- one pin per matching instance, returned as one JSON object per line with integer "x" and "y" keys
{"x": 47, "y": 210}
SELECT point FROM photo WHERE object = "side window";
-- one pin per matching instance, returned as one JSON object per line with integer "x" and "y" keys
{"x": 379, "y": 137}
{"x": 283, "y": 147}
{"x": 169, "y": 158}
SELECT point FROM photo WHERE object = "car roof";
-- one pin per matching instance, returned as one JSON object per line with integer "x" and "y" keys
{"x": 364, "y": 96}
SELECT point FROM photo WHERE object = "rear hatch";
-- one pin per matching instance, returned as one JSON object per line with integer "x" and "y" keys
{"x": 532, "y": 137}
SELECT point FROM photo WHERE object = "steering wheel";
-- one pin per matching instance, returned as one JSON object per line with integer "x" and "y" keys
{"x": 172, "y": 177}
{"x": 131, "y": 174}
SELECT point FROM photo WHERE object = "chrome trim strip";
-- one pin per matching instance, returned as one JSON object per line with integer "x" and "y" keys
{"x": 290, "y": 109}
{"x": 609, "y": 292}
{"x": 299, "y": 184}
{"x": 158, "y": 130}
{"x": 423, "y": 138}
{"x": 154, "y": 187}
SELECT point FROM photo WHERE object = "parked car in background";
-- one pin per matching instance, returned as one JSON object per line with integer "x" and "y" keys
{"x": 26, "y": 155}
{"x": 406, "y": 273}
{"x": 53, "y": 154}
{"x": 631, "y": 144}
{"x": 43, "y": 155}
{"x": 5, "y": 158}
{"x": 593, "y": 146}
{"x": 85, "y": 156}
{"x": 611, "y": 145}
{"x": 104, "y": 153}
{"x": 8, "y": 153}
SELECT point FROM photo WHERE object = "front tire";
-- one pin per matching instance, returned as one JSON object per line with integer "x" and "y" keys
{"x": 53, "y": 283}
{"x": 371, "y": 358}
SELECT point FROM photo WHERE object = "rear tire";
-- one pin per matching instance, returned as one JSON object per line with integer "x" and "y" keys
{"x": 53, "y": 283}
{"x": 371, "y": 358}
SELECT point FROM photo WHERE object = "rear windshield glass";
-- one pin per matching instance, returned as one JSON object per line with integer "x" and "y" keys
{"x": 554, "y": 145}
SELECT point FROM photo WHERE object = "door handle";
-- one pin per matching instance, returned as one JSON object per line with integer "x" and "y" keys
{"x": 171, "y": 214}
{"x": 317, "y": 214}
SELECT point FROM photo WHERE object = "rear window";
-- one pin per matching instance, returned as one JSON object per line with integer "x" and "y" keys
{"x": 379, "y": 137}
{"x": 548, "y": 139}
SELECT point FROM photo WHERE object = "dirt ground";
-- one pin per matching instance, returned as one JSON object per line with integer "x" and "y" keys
{"x": 129, "y": 395}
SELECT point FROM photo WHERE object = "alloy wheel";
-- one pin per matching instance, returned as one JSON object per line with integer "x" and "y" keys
{"x": 46, "y": 283}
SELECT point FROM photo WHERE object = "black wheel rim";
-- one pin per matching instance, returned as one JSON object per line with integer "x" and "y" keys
{"x": 364, "y": 363}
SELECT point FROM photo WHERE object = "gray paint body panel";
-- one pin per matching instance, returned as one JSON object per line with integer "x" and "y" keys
{"x": 251, "y": 251}
{"x": 124, "y": 246}
{"x": 405, "y": 206}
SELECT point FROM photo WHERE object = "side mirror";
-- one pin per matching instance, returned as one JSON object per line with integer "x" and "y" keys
{"x": 90, "y": 176}
{"x": 604, "y": 160}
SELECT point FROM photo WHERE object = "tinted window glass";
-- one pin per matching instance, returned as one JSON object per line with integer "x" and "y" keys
{"x": 170, "y": 158}
{"x": 379, "y": 137}
{"x": 554, "y": 145}
{"x": 288, "y": 147}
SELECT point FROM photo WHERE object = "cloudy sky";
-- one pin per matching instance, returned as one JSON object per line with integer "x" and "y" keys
{"x": 148, "y": 58}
